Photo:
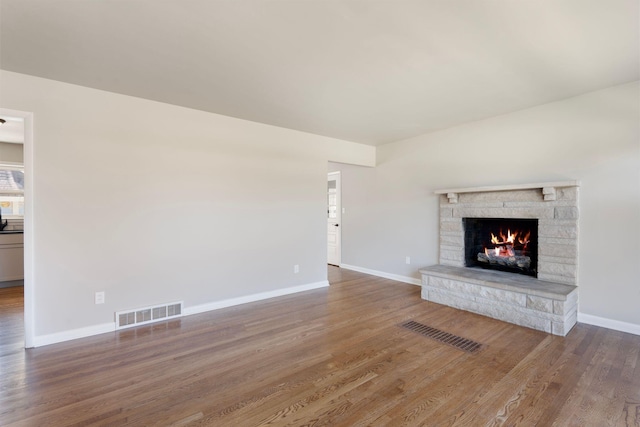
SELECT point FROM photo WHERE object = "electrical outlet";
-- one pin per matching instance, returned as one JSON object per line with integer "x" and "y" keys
{"x": 408, "y": 260}
{"x": 296, "y": 269}
{"x": 99, "y": 297}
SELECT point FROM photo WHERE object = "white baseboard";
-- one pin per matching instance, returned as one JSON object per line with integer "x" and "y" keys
{"x": 252, "y": 298}
{"x": 73, "y": 334}
{"x": 42, "y": 340}
{"x": 617, "y": 325}
{"x": 396, "y": 277}
{"x": 12, "y": 283}
{"x": 13, "y": 278}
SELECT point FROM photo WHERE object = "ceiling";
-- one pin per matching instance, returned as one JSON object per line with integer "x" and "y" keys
{"x": 365, "y": 71}
{"x": 12, "y": 130}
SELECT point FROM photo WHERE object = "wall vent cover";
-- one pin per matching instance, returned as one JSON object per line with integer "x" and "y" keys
{"x": 144, "y": 315}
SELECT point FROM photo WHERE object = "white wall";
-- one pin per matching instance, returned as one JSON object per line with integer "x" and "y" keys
{"x": 154, "y": 203}
{"x": 351, "y": 152}
{"x": 391, "y": 211}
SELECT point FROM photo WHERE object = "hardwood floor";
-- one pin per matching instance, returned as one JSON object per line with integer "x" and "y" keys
{"x": 333, "y": 356}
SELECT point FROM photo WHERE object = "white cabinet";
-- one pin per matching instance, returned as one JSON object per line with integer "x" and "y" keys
{"x": 11, "y": 256}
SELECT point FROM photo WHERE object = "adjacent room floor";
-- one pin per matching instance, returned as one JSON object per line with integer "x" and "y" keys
{"x": 334, "y": 356}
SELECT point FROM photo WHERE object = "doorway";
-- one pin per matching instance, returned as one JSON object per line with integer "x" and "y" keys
{"x": 334, "y": 219}
{"x": 18, "y": 215}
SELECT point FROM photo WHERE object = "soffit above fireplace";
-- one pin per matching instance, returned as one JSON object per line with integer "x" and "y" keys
{"x": 548, "y": 189}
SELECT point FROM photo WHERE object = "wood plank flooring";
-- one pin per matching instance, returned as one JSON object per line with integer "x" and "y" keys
{"x": 335, "y": 356}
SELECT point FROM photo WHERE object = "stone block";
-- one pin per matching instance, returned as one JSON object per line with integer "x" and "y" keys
{"x": 540, "y": 304}
{"x": 453, "y": 248}
{"x": 452, "y": 240}
{"x": 515, "y": 315}
{"x": 500, "y": 295}
{"x": 558, "y": 241}
{"x": 549, "y": 193}
{"x": 450, "y": 285}
{"x": 471, "y": 291}
{"x": 562, "y": 328}
{"x": 557, "y": 230}
{"x": 546, "y": 204}
{"x": 559, "y": 307}
{"x": 572, "y": 298}
{"x": 451, "y": 225}
{"x": 556, "y": 259}
{"x": 565, "y": 270}
{"x": 529, "y": 212}
{"x": 451, "y": 263}
{"x": 446, "y": 212}
{"x": 563, "y": 308}
{"x": 452, "y": 255}
{"x": 558, "y": 222}
{"x": 531, "y": 195}
{"x": 446, "y": 298}
{"x": 557, "y": 250}
{"x": 566, "y": 212}
{"x": 558, "y": 279}
{"x": 481, "y": 205}
{"x": 567, "y": 193}
{"x": 522, "y": 319}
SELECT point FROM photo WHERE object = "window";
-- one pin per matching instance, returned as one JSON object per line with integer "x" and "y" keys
{"x": 11, "y": 190}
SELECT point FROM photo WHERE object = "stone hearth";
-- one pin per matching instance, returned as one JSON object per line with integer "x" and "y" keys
{"x": 548, "y": 303}
{"x": 522, "y": 300}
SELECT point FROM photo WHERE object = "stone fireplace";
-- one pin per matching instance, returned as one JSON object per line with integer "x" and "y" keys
{"x": 502, "y": 244}
{"x": 509, "y": 252}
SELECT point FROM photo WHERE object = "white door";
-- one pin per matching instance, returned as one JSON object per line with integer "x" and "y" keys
{"x": 333, "y": 218}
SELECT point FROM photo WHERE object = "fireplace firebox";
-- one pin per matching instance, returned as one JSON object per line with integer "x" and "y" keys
{"x": 505, "y": 244}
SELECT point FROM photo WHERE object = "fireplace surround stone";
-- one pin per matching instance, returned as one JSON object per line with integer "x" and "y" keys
{"x": 503, "y": 295}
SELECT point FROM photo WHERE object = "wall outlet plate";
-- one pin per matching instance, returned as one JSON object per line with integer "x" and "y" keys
{"x": 99, "y": 298}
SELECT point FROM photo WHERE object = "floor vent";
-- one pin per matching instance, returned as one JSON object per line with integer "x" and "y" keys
{"x": 460, "y": 343}
{"x": 141, "y": 316}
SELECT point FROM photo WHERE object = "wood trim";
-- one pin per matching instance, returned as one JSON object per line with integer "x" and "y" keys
{"x": 617, "y": 325}
{"x": 73, "y": 334}
{"x": 216, "y": 305}
{"x": 392, "y": 276}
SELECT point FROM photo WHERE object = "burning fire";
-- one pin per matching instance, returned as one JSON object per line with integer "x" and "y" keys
{"x": 510, "y": 238}
{"x": 500, "y": 251}
{"x": 504, "y": 244}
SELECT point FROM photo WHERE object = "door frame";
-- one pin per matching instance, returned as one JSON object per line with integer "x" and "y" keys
{"x": 29, "y": 265}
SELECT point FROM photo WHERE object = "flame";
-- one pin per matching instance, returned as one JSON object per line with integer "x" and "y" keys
{"x": 509, "y": 238}
{"x": 505, "y": 243}
{"x": 525, "y": 239}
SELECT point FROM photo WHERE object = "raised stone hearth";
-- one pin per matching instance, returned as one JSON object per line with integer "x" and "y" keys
{"x": 518, "y": 299}
{"x": 548, "y": 302}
